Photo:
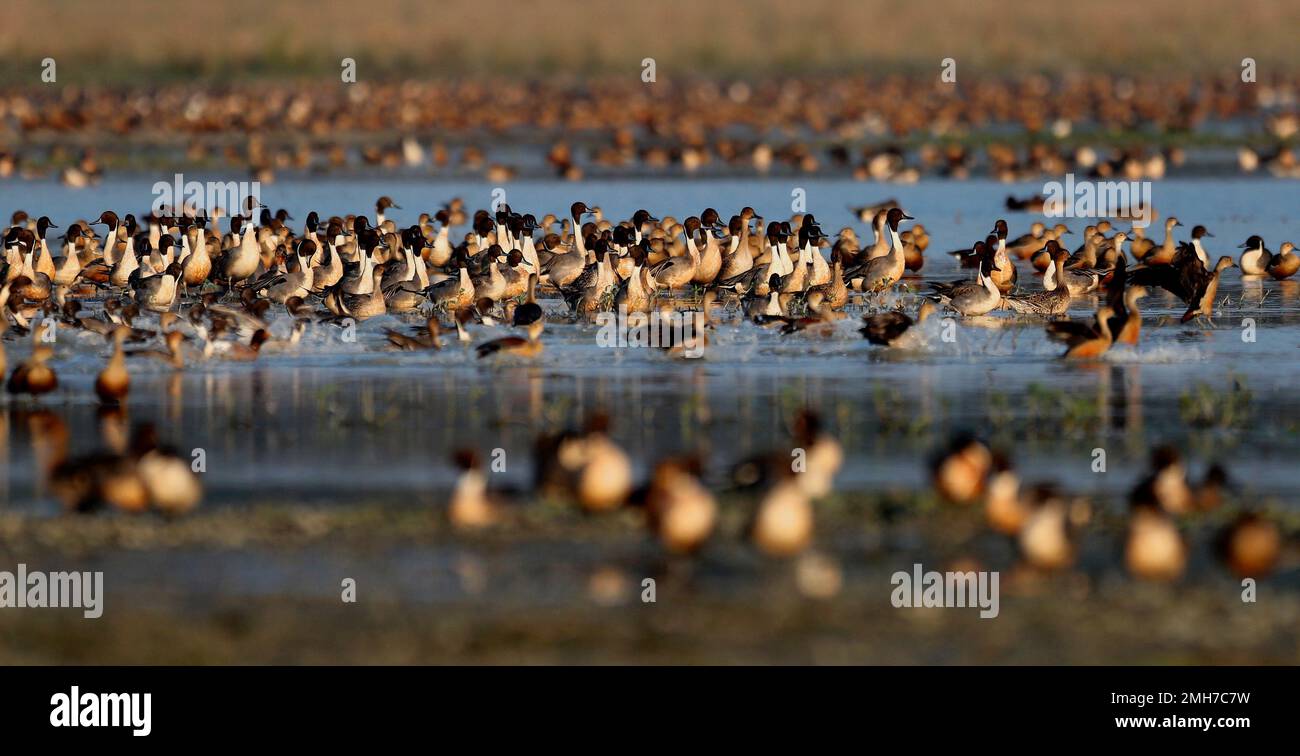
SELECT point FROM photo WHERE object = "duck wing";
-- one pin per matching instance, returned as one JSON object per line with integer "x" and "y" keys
{"x": 1166, "y": 277}
{"x": 884, "y": 328}
{"x": 1070, "y": 331}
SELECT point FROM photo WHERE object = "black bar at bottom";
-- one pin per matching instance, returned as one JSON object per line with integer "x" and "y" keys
{"x": 373, "y": 704}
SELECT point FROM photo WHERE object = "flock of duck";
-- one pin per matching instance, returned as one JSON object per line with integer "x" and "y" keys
{"x": 624, "y": 124}
{"x": 178, "y": 288}
{"x": 211, "y": 290}
{"x": 587, "y": 467}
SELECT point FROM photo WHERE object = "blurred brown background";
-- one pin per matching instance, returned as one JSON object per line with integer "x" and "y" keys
{"x": 155, "y": 40}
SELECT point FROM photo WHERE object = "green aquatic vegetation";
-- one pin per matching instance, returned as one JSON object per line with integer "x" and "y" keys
{"x": 1205, "y": 406}
{"x": 894, "y": 414}
{"x": 1053, "y": 411}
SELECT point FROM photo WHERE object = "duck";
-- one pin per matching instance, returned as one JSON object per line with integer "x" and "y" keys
{"x": 454, "y": 293}
{"x": 369, "y": 305}
{"x": 769, "y": 308}
{"x": 1084, "y": 341}
{"x": 1165, "y": 487}
{"x": 880, "y": 244}
{"x": 783, "y": 523}
{"x": 817, "y": 270}
{"x": 972, "y": 298}
{"x": 960, "y": 472}
{"x": 834, "y": 292}
{"x": 1162, "y": 254}
{"x": 528, "y": 312}
{"x": 1256, "y": 259}
{"x": 710, "y": 265}
{"x": 1202, "y": 301}
{"x": 298, "y": 277}
{"x": 114, "y": 381}
{"x": 897, "y": 329}
{"x": 172, "y": 354}
{"x": 239, "y": 352}
{"x": 596, "y": 470}
{"x": 240, "y": 262}
{"x": 431, "y": 338}
{"x": 490, "y": 283}
{"x": 471, "y": 507}
{"x": 1076, "y": 281}
{"x": 560, "y": 266}
{"x": 68, "y": 268}
{"x": 822, "y": 454}
{"x": 530, "y": 346}
{"x": 169, "y": 481}
{"x": 1153, "y": 548}
{"x": 678, "y": 272}
{"x": 738, "y": 260}
{"x": 774, "y": 261}
{"x": 43, "y": 262}
{"x": 34, "y": 376}
{"x": 883, "y": 272}
{"x": 1031, "y": 204}
{"x": 867, "y": 213}
{"x": 197, "y": 265}
{"x": 1006, "y": 509}
{"x": 158, "y": 293}
{"x": 1044, "y": 538}
{"x": 1199, "y": 232}
{"x": 636, "y": 292}
{"x": 1126, "y": 323}
{"x": 915, "y": 242}
{"x": 382, "y": 204}
{"x": 1054, "y": 301}
{"x": 819, "y": 318}
{"x": 680, "y": 511}
{"x": 1285, "y": 263}
{"x": 515, "y": 275}
{"x": 1250, "y": 546}
{"x": 1004, "y": 273}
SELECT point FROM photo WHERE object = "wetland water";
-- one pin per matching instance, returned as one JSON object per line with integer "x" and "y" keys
{"x": 330, "y": 420}
{"x": 336, "y": 425}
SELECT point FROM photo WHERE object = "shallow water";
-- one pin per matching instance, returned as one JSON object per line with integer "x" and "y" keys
{"x": 336, "y": 422}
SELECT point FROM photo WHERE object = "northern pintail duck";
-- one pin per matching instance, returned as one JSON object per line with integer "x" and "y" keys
{"x": 972, "y": 298}
{"x": 454, "y": 293}
{"x": 158, "y": 293}
{"x": 897, "y": 329}
{"x": 429, "y": 337}
{"x": 1054, "y": 301}
{"x": 738, "y": 259}
{"x": 883, "y": 272}
{"x": 1255, "y": 260}
{"x": 527, "y": 316}
{"x": 1004, "y": 272}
